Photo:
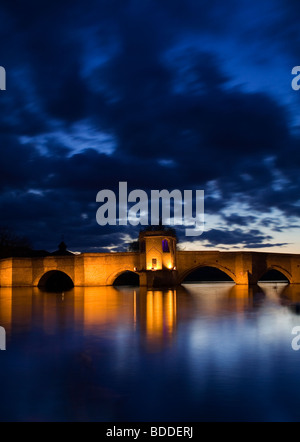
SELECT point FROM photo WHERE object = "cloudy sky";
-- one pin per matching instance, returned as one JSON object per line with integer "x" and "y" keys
{"x": 163, "y": 94}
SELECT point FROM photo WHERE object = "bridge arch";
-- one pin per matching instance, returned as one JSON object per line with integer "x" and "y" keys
{"x": 182, "y": 275}
{"x": 279, "y": 269}
{"x": 128, "y": 278}
{"x": 56, "y": 281}
{"x": 113, "y": 276}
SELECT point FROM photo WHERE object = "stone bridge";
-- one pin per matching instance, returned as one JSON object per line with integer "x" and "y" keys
{"x": 87, "y": 269}
{"x": 167, "y": 268}
{"x": 242, "y": 267}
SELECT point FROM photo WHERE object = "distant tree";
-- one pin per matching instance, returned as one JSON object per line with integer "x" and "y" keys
{"x": 134, "y": 246}
{"x": 12, "y": 244}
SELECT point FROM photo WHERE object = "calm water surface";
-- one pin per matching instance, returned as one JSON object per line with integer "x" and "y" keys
{"x": 203, "y": 352}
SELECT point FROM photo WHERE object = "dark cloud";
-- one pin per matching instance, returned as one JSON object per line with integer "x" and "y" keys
{"x": 238, "y": 220}
{"x": 150, "y": 76}
{"x": 242, "y": 239}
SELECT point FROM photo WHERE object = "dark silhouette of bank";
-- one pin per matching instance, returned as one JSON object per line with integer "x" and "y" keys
{"x": 16, "y": 246}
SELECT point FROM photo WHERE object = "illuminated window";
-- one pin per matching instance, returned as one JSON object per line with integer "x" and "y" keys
{"x": 165, "y": 246}
{"x": 154, "y": 263}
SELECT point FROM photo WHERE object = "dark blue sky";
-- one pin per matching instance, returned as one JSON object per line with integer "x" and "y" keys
{"x": 167, "y": 94}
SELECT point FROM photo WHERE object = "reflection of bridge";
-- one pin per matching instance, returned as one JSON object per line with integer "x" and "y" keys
{"x": 155, "y": 315}
{"x": 156, "y": 265}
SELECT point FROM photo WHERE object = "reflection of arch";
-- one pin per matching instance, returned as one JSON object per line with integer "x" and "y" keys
{"x": 113, "y": 276}
{"x": 185, "y": 273}
{"x": 127, "y": 278}
{"x": 55, "y": 281}
{"x": 279, "y": 270}
{"x": 290, "y": 297}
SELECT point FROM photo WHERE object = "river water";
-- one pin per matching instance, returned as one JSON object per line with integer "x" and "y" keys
{"x": 203, "y": 352}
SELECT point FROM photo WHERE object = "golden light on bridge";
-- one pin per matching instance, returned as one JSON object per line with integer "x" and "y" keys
{"x": 157, "y": 252}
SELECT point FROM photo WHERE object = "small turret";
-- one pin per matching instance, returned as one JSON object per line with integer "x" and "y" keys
{"x": 62, "y": 247}
{"x": 158, "y": 256}
{"x": 62, "y": 250}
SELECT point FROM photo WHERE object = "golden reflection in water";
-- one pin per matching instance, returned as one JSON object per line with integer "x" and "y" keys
{"x": 160, "y": 316}
{"x": 213, "y": 299}
{"x": 16, "y": 308}
{"x": 22, "y": 313}
{"x": 91, "y": 310}
{"x": 170, "y": 309}
{"x": 6, "y": 308}
{"x": 134, "y": 309}
{"x": 155, "y": 314}
{"x": 241, "y": 299}
{"x": 289, "y": 295}
{"x": 291, "y": 292}
{"x": 107, "y": 306}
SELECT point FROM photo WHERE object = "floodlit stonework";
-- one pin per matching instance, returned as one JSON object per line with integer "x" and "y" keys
{"x": 158, "y": 264}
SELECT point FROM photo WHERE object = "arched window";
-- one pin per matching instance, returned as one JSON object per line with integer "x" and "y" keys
{"x": 165, "y": 246}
